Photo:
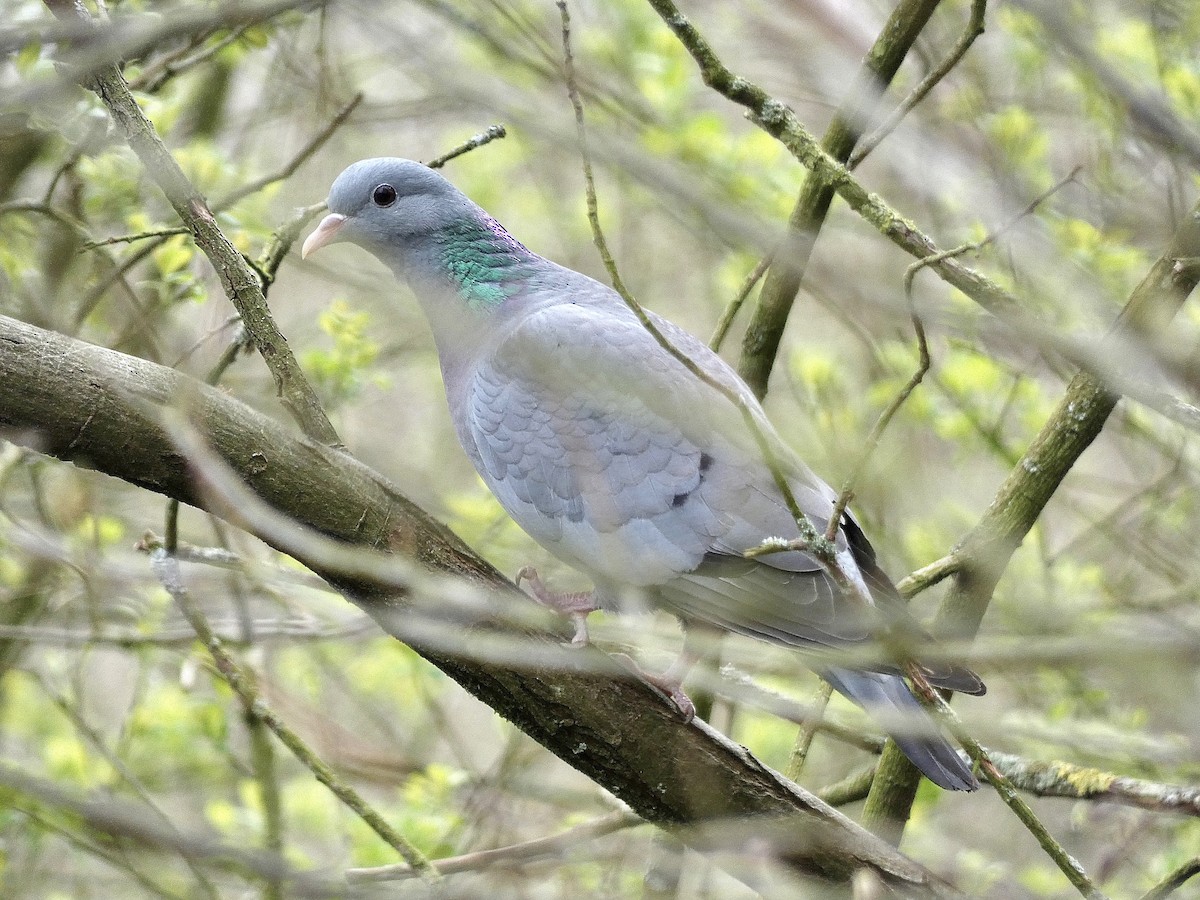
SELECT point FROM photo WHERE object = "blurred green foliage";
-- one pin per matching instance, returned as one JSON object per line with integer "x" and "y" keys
{"x": 691, "y": 197}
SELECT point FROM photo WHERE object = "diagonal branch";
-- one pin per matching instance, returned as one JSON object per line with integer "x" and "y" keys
{"x": 238, "y": 279}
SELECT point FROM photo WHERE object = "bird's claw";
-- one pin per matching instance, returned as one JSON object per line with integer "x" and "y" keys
{"x": 666, "y": 684}
{"x": 576, "y": 605}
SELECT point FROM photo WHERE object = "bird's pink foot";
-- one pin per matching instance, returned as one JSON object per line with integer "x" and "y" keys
{"x": 673, "y": 688}
{"x": 576, "y": 605}
{"x": 668, "y": 683}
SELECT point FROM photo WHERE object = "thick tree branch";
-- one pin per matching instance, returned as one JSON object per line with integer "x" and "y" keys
{"x": 97, "y": 407}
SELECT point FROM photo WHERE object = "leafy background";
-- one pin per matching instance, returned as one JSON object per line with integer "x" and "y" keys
{"x": 1088, "y": 648}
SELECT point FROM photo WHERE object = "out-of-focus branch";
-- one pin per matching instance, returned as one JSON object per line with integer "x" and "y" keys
{"x": 301, "y": 156}
{"x": 93, "y": 737}
{"x": 187, "y": 57}
{"x": 1150, "y": 113}
{"x": 123, "y": 821}
{"x": 265, "y": 631}
{"x": 555, "y": 846}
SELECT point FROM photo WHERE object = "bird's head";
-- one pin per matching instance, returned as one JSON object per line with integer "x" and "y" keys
{"x": 386, "y": 205}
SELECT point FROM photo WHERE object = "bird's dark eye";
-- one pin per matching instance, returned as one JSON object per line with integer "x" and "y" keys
{"x": 384, "y": 195}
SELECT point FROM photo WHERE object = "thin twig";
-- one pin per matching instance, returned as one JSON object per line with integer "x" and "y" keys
{"x": 133, "y": 237}
{"x": 154, "y": 77}
{"x": 315, "y": 143}
{"x": 739, "y": 299}
{"x": 167, "y": 570}
{"x": 555, "y": 846}
{"x": 1061, "y": 779}
{"x": 927, "y": 576}
{"x": 1029, "y": 209}
{"x": 885, "y": 418}
{"x": 262, "y": 764}
{"x": 975, "y": 25}
{"x": 808, "y": 731}
{"x": 489, "y": 134}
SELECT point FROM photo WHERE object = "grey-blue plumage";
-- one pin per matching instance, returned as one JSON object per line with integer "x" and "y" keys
{"x": 612, "y": 455}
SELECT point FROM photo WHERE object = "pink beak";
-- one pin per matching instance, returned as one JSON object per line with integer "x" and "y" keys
{"x": 326, "y": 233}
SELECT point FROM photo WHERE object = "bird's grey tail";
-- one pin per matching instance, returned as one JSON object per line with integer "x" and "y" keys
{"x": 888, "y": 698}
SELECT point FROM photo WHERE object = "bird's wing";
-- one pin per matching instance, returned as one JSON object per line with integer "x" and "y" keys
{"x": 614, "y": 456}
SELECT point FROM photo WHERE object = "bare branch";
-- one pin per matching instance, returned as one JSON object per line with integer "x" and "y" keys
{"x": 167, "y": 570}
{"x": 555, "y": 847}
{"x": 489, "y": 134}
{"x": 972, "y": 31}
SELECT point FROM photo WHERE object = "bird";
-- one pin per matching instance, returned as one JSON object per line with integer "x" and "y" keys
{"x": 605, "y": 446}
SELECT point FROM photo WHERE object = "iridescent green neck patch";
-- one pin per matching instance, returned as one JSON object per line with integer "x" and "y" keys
{"x": 484, "y": 261}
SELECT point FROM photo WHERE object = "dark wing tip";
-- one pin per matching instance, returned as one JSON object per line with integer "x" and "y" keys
{"x": 953, "y": 677}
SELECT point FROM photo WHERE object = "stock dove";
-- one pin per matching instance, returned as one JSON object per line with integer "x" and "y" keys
{"x": 617, "y": 459}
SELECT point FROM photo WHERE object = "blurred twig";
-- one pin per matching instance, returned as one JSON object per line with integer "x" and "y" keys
{"x": 975, "y": 23}
{"x": 123, "y": 821}
{"x": 167, "y": 570}
{"x": 554, "y": 847}
{"x": 1150, "y": 112}
{"x": 153, "y": 77}
{"x": 289, "y": 630}
{"x": 808, "y": 731}
{"x": 301, "y": 156}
